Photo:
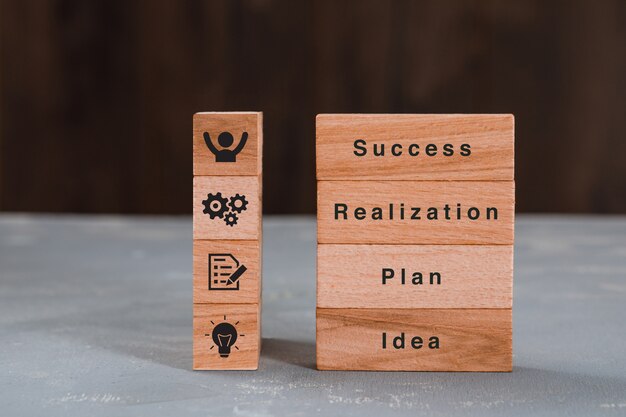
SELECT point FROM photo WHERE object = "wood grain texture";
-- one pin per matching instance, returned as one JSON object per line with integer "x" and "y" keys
{"x": 473, "y": 276}
{"x": 70, "y": 80}
{"x": 248, "y": 225}
{"x": 490, "y": 154}
{"x": 423, "y": 194}
{"x": 245, "y": 318}
{"x": 248, "y": 161}
{"x": 469, "y": 340}
{"x": 246, "y": 252}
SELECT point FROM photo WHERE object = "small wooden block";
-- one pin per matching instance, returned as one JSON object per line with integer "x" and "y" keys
{"x": 414, "y": 276}
{"x": 227, "y": 208}
{"x": 224, "y": 157}
{"x": 386, "y": 212}
{"x": 226, "y": 336}
{"x": 385, "y": 340}
{"x": 226, "y": 271}
{"x": 415, "y": 146}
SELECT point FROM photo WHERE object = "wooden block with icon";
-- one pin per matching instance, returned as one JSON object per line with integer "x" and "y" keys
{"x": 415, "y": 229}
{"x": 226, "y": 336}
{"x": 227, "y": 143}
{"x": 227, "y": 210}
{"x": 226, "y": 271}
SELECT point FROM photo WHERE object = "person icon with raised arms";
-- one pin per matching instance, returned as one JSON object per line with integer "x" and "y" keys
{"x": 225, "y": 140}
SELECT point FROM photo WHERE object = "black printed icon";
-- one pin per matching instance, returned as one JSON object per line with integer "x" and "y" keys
{"x": 218, "y": 206}
{"x": 224, "y": 272}
{"x": 225, "y": 140}
{"x": 224, "y": 336}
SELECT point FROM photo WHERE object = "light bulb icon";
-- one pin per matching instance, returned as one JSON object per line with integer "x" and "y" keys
{"x": 224, "y": 336}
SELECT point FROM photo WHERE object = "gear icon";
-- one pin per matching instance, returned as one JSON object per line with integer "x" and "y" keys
{"x": 215, "y": 205}
{"x": 238, "y": 203}
{"x": 231, "y": 219}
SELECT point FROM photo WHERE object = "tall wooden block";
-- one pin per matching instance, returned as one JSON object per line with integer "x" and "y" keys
{"x": 414, "y": 276}
{"x": 414, "y": 340}
{"x": 416, "y": 212}
{"x": 415, "y": 147}
{"x": 226, "y": 336}
{"x": 227, "y": 233}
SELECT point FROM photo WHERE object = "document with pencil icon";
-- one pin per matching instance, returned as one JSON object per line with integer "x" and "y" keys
{"x": 224, "y": 272}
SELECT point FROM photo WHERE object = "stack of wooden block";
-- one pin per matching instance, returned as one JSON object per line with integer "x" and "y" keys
{"x": 415, "y": 242}
{"x": 227, "y": 240}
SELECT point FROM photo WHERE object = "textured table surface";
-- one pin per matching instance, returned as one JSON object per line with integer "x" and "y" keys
{"x": 95, "y": 319}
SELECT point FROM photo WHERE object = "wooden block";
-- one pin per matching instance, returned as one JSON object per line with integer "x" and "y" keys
{"x": 227, "y": 208}
{"x": 414, "y": 340}
{"x": 371, "y": 212}
{"x": 226, "y": 336}
{"x": 415, "y": 146}
{"x": 414, "y": 276}
{"x": 226, "y": 271}
{"x": 217, "y": 143}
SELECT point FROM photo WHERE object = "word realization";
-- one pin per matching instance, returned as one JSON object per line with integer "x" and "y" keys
{"x": 396, "y": 211}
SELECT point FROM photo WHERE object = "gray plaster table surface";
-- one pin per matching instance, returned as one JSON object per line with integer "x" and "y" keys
{"x": 95, "y": 320}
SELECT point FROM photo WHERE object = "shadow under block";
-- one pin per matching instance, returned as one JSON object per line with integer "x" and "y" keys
{"x": 415, "y": 146}
{"x": 401, "y": 212}
{"x": 226, "y": 271}
{"x": 414, "y": 340}
{"x": 247, "y": 162}
{"x": 226, "y": 336}
{"x": 414, "y": 276}
{"x": 221, "y": 221}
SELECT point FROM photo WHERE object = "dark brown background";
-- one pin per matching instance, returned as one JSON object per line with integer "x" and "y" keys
{"x": 97, "y": 97}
